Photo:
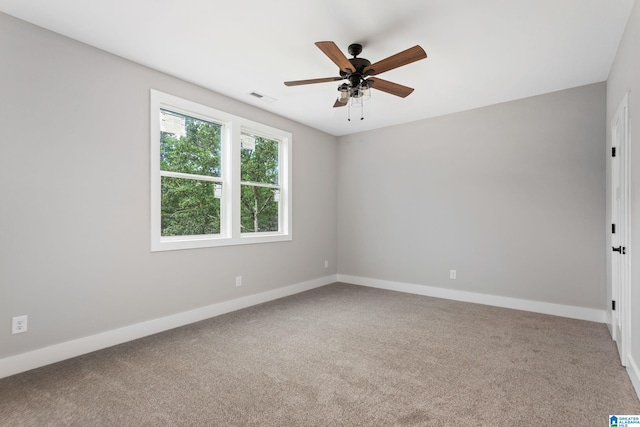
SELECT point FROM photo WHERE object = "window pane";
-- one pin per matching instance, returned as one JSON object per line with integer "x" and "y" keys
{"x": 259, "y": 157}
{"x": 259, "y": 209}
{"x": 189, "y": 145}
{"x": 189, "y": 207}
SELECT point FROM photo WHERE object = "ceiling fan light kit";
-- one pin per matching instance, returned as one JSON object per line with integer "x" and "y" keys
{"x": 357, "y": 72}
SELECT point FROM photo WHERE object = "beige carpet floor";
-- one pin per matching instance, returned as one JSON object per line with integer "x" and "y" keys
{"x": 340, "y": 355}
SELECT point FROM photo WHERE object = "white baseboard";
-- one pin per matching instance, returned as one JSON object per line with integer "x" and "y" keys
{"x": 634, "y": 374}
{"x": 55, "y": 353}
{"x": 573, "y": 312}
{"x": 609, "y": 322}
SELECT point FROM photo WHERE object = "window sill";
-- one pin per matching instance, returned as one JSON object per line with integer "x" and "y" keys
{"x": 197, "y": 242}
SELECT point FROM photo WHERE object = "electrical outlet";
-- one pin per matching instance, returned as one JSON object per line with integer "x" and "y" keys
{"x": 326, "y": 264}
{"x": 452, "y": 274}
{"x": 238, "y": 281}
{"x": 19, "y": 324}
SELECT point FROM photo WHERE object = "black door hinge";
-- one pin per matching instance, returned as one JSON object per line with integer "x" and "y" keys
{"x": 613, "y": 151}
{"x": 613, "y": 228}
{"x": 613, "y": 305}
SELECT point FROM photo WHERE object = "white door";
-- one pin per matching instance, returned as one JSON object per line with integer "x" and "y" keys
{"x": 620, "y": 217}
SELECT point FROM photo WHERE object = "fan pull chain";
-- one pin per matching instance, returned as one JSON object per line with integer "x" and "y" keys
{"x": 349, "y": 110}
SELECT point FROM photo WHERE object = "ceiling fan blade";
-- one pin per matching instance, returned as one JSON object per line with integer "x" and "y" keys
{"x": 311, "y": 81}
{"x": 335, "y": 54}
{"x": 390, "y": 87}
{"x": 405, "y": 57}
{"x": 339, "y": 104}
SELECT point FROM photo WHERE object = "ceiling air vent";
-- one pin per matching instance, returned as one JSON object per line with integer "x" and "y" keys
{"x": 262, "y": 97}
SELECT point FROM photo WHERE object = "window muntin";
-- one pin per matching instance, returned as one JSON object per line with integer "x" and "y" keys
{"x": 209, "y": 171}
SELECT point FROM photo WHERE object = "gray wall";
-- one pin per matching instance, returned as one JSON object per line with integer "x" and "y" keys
{"x": 74, "y": 182}
{"x": 625, "y": 76}
{"x": 512, "y": 196}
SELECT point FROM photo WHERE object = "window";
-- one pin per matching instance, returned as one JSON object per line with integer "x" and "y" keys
{"x": 260, "y": 190}
{"x": 190, "y": 183}
{"x": 216, "y": 179}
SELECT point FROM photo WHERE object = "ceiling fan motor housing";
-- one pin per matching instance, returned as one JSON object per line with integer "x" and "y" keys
{"x": 358, "y": 76}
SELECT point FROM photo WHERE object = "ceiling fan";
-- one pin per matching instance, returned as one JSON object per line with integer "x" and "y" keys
{"x": 357, "y": 72}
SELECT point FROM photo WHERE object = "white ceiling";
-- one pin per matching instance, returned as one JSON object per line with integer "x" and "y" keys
{"x": 479, "y": 52}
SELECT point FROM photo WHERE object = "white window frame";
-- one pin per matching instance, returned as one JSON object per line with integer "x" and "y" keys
{"x": 232, "y": 126}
